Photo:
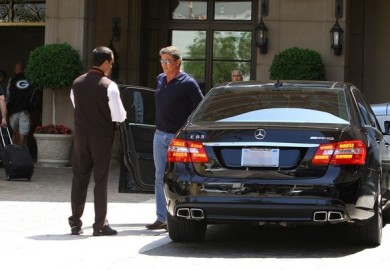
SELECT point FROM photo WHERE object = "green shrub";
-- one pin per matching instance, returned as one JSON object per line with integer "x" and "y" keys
{"x": 297, "y": 64}
{"x": 53, "y": 66}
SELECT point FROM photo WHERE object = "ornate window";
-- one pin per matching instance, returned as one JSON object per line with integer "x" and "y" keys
{"x": 215, "y": 37}
{"x": 22, "y": 11}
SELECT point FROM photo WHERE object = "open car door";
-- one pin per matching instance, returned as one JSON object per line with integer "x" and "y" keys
{"x": 136, "y": 138}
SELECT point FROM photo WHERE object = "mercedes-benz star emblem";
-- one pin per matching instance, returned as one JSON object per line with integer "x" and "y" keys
{"x": 260, "y": 134}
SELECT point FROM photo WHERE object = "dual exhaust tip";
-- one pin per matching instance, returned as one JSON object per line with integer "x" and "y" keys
{"x": 190, "y": 213}
{"x": 323, "y": 216}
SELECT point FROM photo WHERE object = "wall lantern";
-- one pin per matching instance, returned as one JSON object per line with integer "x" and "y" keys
{"x": 336, "y": 32}
{"x": 336, "y": 38}
{"x": 262, "y": 29}
{"x": 261, "y": 36}
{"x": 116, "y": 29}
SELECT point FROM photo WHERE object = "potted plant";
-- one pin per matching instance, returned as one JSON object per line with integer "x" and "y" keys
{"x": 53, "y": 66}
{"x": 297, "y": 64}
{"x": 54, "y": 143}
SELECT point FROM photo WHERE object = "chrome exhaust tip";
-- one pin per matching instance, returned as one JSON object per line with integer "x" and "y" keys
{"x": 320, "y": 216}
{"x": 335, "y": 216}
{"x": 196, "y": 213}
{"x": 183, "y": 212}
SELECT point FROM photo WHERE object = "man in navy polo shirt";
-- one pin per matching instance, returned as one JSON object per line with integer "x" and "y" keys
{"x": 177, "y": 95}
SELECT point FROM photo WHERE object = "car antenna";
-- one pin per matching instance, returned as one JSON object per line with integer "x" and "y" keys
{"x": 277, "y": 85}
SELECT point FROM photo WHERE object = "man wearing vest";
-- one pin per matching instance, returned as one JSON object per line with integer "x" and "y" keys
{"x": 97, "y": 109}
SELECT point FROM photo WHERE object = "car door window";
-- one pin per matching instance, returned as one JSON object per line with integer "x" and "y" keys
{"x": 139, "y": 105}
{"x": 137, "y": 172}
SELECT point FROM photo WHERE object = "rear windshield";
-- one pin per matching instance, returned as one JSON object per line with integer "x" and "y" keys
{"x": 262, "y": 105}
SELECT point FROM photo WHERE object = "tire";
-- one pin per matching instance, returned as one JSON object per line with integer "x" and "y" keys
{"x": 386, "y": 211}
{"x": 386, "y": 215}
{"x": 369, "y": 233}
{"x": 184, "y": 230}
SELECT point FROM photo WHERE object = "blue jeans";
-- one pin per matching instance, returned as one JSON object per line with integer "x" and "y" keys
{"x": 161, "y": 142}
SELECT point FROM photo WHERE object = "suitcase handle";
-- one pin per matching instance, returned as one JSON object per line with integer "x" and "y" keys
{"x": 9, "y": 135}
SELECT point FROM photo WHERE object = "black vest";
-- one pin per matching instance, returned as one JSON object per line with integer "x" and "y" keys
{"x": 92, "y": 115}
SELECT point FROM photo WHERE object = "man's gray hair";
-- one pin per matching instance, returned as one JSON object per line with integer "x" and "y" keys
{"x": 171, "y": 50}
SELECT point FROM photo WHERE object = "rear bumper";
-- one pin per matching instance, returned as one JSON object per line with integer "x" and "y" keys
{"x": 343, "y": 194}
{"x": 297, "y": 211}
{"x": 291, "y": 209}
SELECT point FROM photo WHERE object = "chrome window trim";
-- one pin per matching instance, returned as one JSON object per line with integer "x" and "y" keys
{"x": 268, "y": 144}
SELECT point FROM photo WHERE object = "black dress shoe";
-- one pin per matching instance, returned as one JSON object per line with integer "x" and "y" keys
{"x": 157, "y": 225}
{"x": 76, "y": 230}
{"x": 106, "y": 230}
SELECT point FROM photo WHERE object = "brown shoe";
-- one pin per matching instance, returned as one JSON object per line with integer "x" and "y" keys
{"x": 157, "y": 225}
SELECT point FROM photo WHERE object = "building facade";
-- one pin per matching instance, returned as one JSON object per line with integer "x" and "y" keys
{"x": 215, "y": 36}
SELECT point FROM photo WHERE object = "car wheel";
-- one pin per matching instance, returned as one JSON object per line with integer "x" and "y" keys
{"x": 369, "y": 233}
{"x": 184, "y": 230}
{"x": 386, "y": 211}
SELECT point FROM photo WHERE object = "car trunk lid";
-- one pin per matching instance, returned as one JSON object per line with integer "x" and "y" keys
{"x": 279, "y": 151}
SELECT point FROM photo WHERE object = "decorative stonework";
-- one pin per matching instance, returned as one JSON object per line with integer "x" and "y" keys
{"x": 53, "y": 149}
{"x": 18, "y": 11}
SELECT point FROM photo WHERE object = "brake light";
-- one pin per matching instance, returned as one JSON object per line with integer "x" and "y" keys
{"x": 341, "y": 153}
{"x": 186, "y": 151}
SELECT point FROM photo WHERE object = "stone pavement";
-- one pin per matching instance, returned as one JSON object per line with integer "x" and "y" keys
{"x": 34, "y": 232}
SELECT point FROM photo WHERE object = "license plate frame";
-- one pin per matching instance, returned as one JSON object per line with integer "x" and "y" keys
{"x": 260, "y": 157}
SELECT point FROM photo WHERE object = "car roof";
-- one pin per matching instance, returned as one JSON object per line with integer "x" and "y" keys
{"x": 287, "y": 84}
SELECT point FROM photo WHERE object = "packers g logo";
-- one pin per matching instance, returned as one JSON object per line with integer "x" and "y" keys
{"x": 22, "y": 84}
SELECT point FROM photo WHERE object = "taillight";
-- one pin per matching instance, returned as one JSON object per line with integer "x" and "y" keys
{"x": 186, "y": 151}
{"x": 341, "y": 153}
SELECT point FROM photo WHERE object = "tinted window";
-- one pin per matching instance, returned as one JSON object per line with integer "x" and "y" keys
{"x": 255, "y": 104}
{"x": 139, "y": 106}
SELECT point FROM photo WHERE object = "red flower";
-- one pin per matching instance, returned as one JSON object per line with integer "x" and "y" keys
{"x": 53, "y": 129}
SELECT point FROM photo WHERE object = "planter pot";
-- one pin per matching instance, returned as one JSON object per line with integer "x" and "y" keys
{"x": 53, "y": 150}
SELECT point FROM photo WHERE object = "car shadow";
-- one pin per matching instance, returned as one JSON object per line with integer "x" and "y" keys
{"x": 236, "y": 241}
{"x": 246, "y": 241}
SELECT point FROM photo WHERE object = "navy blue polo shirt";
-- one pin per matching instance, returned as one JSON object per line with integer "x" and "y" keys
{"x": 2, "y": 91}
{"x": 175, "y": 101}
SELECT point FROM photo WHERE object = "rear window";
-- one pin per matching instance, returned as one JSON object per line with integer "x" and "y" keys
{"x": 264, "y": 105}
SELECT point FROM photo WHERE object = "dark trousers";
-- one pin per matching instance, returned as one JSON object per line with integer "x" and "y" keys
{"x": 91, "y": 153}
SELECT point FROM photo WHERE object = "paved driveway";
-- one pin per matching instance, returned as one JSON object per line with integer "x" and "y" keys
{"x": 34, "y": 234}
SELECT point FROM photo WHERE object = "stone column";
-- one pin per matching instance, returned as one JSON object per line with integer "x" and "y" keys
{"x": 65, "y": 22}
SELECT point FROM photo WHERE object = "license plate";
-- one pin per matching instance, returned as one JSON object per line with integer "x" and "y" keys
{"x": 260, "y": 157}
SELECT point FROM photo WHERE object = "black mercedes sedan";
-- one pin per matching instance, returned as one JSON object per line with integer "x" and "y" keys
{"x": 285, "y": 153}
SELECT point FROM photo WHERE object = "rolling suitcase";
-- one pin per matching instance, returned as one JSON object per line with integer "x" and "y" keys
{"x": 16, "y": 158}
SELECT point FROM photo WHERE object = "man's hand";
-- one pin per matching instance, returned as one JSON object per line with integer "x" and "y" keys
{"x": 4, "y": 122}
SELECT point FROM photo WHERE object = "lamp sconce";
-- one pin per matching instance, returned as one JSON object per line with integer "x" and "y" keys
{"x": 116, "y": 29}
{"x": 336, "y": 32}
{"x": 262, "y": 36}
{"x": 262, "y": 29}
{"x": 336, "y": 38}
